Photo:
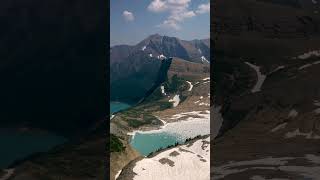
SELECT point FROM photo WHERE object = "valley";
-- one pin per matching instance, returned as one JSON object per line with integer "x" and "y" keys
{"x": 173, "y": 111}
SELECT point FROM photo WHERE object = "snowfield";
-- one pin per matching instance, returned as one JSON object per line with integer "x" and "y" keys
{"x": 179, "y": 163}
{"x": 261, "y": 78}
{"x": 189, "y": 127}
{"x": 175, "y": 100}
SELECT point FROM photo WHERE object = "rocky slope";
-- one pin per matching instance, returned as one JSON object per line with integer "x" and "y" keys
{"x": 137, "y": 66}
{"x": 265, "y": 82}
{"x": 181, "y": 90}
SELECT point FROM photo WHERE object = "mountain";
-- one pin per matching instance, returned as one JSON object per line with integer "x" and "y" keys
{"x": 133, "y": 69}
{"x": 266, "y": 90}
{"x": 182, "y": 89}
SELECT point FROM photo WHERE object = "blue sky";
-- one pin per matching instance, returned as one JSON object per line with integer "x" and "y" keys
{"x": 133, "y": 20}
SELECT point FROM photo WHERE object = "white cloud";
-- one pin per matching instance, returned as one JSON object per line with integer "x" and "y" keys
{"x": 178, "y": 12}
{"x": 128, "y": 16}
{"x": 203, "y": 8}
{"x": 157, "y": 6}
{"x": 170, "y": 24}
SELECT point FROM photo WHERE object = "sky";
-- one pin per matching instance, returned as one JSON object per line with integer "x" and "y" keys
{"x": 131, "y": 21}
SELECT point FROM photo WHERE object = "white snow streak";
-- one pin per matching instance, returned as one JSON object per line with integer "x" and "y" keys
{"x": 190, "y": 85}
{"x": 280, "y": 126}
{"x": 260, "y": 76}
{"x": 162, "y": 90}
{"x": 309, "y": 135}
{"x": 117, "y": 175}
{"x": 309, "y": 54}
{"x": 161, "y": 56}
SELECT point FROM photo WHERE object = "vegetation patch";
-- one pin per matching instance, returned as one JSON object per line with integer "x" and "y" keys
{"x": 177, "y": 84}
{"x": 115, "y": 144}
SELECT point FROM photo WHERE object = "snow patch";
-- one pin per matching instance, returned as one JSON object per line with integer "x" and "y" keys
{"x": 112, "y": 116}
{"x": 260, "y": 80}
{"x": 293, "y": 113}
{"x": 204, "y": 104}
{"x": 162, "y": 90}
{"x": 205, "y": 79}
{"x": 190, "y": 85}
{"x": 309, "y": 135}
{"x": 200, "y": 51}
{"x": 203, "y": 59}
{"x": 144, "y": 48}
{"x": 150, "y": 55}
{"x": 175, "y": 100}
{"x": 309, "y": 54}
{"x": 161, "y": 57}
{"x": 277, "y": 69}
{"x": 304, "y": 66}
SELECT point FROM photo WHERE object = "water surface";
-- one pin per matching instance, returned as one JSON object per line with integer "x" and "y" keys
{"x": 147, "y": 143}
{"x": 118, "y": 106}
{"x": 16, "y": 145}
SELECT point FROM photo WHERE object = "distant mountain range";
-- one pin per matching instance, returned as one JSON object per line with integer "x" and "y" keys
{"x": 134, "y": 69}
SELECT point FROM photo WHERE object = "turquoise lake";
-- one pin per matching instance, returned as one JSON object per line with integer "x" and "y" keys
{"x": 17, "y": 145}
{"x": 147, "y": 143}
{"x": 117, "y": 106}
